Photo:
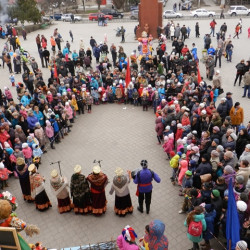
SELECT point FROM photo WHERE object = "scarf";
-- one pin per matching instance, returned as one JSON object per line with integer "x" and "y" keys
{"x": 78, "y": 186}
{"x": 97, "y": 179}
{"x": 36, "y": 180}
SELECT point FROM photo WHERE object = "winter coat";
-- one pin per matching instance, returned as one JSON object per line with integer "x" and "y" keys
{"x": 238, "y": 117}
{"x": 125, "y": 245}
{"x": 245, "y": 172}
{"x": 27, "y": 152}
{"x": 209, "y": 218}
{"x": 40, "y": 117}
{"x": 168, "y": 146}
{"x": 241, "y": 143}
{"x": 183, "y": 167}
{"x": 39, "y": 134}
{"x": 174, "y": 162}
{"x": 159, "y": 128}
{"x": 49, "y": 131}
{"x": 204, "y": 168}
{"x": 32, "y": 120}
{"x": 222, "y": 110}
{"x": 197, "y": 218}
{"x": 21, "y": 136}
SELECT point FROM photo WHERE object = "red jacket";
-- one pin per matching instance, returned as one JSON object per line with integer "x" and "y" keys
{"x": 4, "y": 174}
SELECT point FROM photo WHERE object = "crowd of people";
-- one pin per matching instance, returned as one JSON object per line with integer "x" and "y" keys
{"x": 207, "y": 144}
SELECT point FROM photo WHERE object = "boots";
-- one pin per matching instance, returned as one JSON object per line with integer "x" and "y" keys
{"x": 140, "y": 209}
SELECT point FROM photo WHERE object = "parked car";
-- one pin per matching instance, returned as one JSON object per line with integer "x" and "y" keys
{"x": 12, "y": 20}
{"x": 56, "y": 16}
{"x": 238, "y": 10}
{"x": 94, "y": 16}
{"x": 202, "y": 12}
{"x": 171, "y": 14}
{"x": 134, "y": 7}
{"x": 46, "y": 18}
{"x": 134, "y": 14}
{"x": 67, "y": 18}
{"x": 113, "y": 12}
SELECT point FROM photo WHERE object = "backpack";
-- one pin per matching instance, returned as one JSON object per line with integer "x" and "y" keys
{"x": 195, "y": 228}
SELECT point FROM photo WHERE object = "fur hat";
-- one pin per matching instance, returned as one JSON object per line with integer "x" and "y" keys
{"x": 96, "y": 169}
{"x": 241, "y": 206}
{"x": 242, "y": 245}
{"x": 144, "y": 163}
{"x": 77, "y": 169}
{"x": 215, "y": 153}
{"x": 229, "y": 154}
{"x": 220, "y": 148}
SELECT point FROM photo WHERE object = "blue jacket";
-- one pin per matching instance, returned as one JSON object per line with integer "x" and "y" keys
{"x": 62, "y": 89}
{"x": 74, "y": 56}
{"x": 32, "y": 120}
{"x": 94, "y": 83}
{"x": 145, "y": 177}
{"x": 65, "y": 51}
{"x": 26, "y": 100}
{"x": 211, "y": 51}
{"x": 97, "y": 52}
{"x": 39, "y": 116}
{"x": 209, "y": 217}
{"x": 216, "y": 94}
{"x": 54, "y": 125}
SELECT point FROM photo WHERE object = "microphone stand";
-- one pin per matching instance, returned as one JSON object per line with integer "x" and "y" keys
{"x": 59, "y": 166}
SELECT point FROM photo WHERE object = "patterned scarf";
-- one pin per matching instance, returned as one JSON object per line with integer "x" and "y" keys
{"x": 56, "y": 183}
{"x": 97, "y": 179}
{"x": 78, "y": 186}
{"x": 36, "y": 180}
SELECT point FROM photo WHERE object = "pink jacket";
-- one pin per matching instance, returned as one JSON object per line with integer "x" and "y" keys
{"x": 124, "y": 245}
{"x": 183, "y": 168}
{"x": 49, "y": 131}
{"x": 179, "y": 147}
{"x": 4, "y": 174}
{"x": 69, "y": 112}
{"x": 27, "y": 152}
{"x": 8, "y": 94}
{"x": 168, "y": 146}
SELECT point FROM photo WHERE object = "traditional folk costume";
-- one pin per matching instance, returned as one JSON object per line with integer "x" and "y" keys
{"x": 37, "y": 189}
{"x": 23, "y": 175}
{"x": 98, "y": 181}
{"x": 123, "y": 204}
{"x": 79, "y": 189}
{"x": 59, "y": 187}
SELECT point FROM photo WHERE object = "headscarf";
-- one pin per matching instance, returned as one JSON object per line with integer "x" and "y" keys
{"x": 128, "y": 233}
{"x": 155, "y": 238}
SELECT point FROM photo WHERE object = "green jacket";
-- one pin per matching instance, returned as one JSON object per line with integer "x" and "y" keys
{"x": 199, "y": 217}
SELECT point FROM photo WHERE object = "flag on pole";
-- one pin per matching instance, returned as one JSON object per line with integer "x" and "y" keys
{"x": 55, "y": 71}
{"x": 232, "y": 224}
{"x": 127, "y": 79}
{"x": 198, "y": 74}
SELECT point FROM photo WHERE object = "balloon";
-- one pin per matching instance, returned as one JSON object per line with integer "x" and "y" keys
{"x": 14, "y": 54}
{"x": 11, "y": 53}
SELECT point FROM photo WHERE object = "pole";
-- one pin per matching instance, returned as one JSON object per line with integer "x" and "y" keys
{"x": 59, "y": 167}
{"x": 230, "y": 244}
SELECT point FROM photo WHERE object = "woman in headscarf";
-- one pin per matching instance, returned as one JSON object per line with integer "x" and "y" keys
{"x": 79, "y": 189}
{"x": 98, "y": 181}
{"x": 59, "y": 186}
{"x": 37, "y": 189}
{"x": 123, "y": 204}
{"x": 23, "y": 175}
{"x": 155, "y": 237}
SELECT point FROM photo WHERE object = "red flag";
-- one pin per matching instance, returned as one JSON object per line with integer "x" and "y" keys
{"x": 55, "y": 71}
{"x": 127, "y": 79}
{"x": 198, "y": 74}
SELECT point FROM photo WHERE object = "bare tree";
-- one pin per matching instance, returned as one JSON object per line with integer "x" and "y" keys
{"x": 99, "y": 4}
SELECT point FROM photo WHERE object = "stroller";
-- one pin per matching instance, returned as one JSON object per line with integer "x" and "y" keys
{"x": 118, "y": 32}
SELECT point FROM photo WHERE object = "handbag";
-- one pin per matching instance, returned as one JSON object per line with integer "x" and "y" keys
{"x": 221, "y": 91}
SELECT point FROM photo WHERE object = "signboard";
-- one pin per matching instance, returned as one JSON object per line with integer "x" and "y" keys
{"x": 9, "y": 239}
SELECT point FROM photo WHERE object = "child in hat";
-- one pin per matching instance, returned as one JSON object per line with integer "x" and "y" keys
{"x": 89, "y": 102}
{"x": 27, "y": 152}
{"x": 168, "y": 145}
{"x": 183, "y": 167}
{"x": 4, "y": 175}
{"x": 12, "y": 80}
{"x": 174, "y": 162}
{"x": 8, "y": 94}
{"x": 187, "y": 182}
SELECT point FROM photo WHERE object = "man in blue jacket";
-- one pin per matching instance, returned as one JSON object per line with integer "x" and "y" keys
{"x": 144, "y": 180}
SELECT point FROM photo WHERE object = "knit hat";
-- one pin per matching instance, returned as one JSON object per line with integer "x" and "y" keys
{"x": 179, "y": 125}
{"x": 1, "y": 165}
{"x": 144, "y": 163}
{"x": 183, "y": 156}
{"x": 25, "y": 145}
{"x": 242, "y": 245}
{"x": 215, "y": 153}
{"x": 188, "y": 172}
{"x": 37, "y": 124}
{"x": 228, "y": 169}
{"x": 6, "y": 144}
{"x": 229, "y": 154}
{"x": 233, "y": 136}
{"x": 128, "y": 233}
{"x": 167, "y": 128}
{"x": 216, "y": 193}
{"x": 241, "y": 206}
{"x": 248, "y": 146}
{"x": 216, "y": 128}
{"x": 220, "y": 148}
{"x": 216, "y": 141}
{"x": 172, "y": 153}
{"x": 239, "y": 179}
{"x": 195, "y": 149}
{"x": 179, "y": 153}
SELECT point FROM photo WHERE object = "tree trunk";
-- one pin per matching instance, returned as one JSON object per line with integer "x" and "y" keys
{"x": 83, "y": 4}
